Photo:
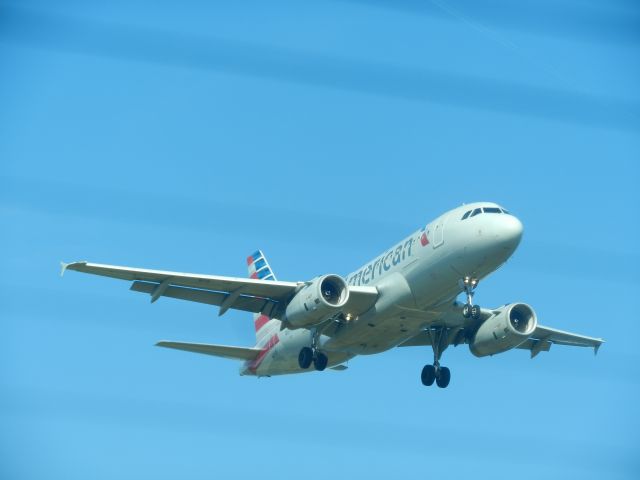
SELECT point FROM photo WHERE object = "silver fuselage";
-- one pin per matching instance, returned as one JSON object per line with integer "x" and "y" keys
{"x": 418, "y": 280}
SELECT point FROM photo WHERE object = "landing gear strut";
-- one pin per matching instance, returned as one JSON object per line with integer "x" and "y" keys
{"x": 309, "y": 355}
{"x": 470, "y": 310}
{"x": 430, "y": 373}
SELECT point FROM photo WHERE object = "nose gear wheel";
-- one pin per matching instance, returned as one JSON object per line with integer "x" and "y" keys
{"x": 470, "y": 310}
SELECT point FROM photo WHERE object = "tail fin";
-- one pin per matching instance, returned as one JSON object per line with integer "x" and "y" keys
{"x": 259, "y": 268}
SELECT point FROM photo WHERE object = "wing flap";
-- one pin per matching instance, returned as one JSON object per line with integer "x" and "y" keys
{"x": 535, "y": 346}
{"x": 225, "y": 351}
{"x": 361, "y": 299}
{"x": 242, "y": 302}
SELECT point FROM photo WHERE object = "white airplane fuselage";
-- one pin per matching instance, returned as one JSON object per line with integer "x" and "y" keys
{"x": 418, "y": 280}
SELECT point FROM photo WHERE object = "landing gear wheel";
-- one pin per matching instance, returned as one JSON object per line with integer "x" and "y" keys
{"x": 320, "y": 362}
{"x": 443, "y": 377}
{"x": 428, "y": 375}
{"x": 469, "y": 310}
{"x": 305, "y": 357}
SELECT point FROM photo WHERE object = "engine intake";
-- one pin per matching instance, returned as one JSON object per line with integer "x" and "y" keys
{"x": 317, "y": 301}
{"x": 507, "y": 328}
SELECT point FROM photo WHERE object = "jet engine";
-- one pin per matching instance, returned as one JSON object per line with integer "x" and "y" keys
{"x": 317, "y": 301}
{"x": 508, "y": 327}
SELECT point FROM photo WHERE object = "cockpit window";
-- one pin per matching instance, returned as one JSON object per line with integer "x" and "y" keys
{"x": 477, "y": 211}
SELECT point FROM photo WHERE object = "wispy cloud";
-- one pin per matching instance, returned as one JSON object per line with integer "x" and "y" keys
{"x": 602, "y": 23}
{"x": 54, "y": 32}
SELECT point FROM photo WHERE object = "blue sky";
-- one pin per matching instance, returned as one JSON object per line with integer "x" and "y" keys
{"x": 184, "y": 136}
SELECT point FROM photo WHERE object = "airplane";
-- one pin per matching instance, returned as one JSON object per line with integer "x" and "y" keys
{"x": 406, "y": 296}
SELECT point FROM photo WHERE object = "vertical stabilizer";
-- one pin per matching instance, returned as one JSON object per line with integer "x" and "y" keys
{"x": 259, "y": 268}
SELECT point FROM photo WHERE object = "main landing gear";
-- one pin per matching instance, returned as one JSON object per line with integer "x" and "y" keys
{"x": 470, "y": 310}
{"x": 430, "y": 373}
{"x": 440, "y": 338}
{"x": 309, "y": 355}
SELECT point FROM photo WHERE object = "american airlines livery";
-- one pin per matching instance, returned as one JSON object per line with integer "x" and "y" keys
{"x": 404, "y": 297}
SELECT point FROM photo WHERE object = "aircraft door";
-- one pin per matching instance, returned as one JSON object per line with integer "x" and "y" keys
{"x": 438, "y": 232}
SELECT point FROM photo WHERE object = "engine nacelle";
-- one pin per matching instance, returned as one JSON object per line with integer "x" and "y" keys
{"x": 510, "y": 326}
{"x": 317, "y": 301}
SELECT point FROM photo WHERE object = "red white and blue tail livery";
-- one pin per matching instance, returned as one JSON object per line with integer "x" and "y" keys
{"x": 267, "y": 328}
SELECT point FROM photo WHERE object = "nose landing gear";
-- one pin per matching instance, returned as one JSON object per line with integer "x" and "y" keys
{"x": 430, "y": 373}
{"x": 470, "y": 310}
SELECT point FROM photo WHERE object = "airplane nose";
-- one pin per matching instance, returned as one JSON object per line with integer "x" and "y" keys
{"x": 510, "y": 231}
{"x": 490, "y": 241}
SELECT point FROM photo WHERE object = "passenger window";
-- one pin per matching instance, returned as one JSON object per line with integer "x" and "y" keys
{"x": 476, "y": 212}
{"x": 491, "y": 210}
{"x": 466, "y": 215}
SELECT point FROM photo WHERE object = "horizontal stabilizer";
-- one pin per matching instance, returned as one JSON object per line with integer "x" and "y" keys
{"x": 235, "y": 353}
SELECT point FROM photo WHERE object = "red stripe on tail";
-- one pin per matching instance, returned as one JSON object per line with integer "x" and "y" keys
{"x": 273, "y": 341}
{"x": 261, "y": 321}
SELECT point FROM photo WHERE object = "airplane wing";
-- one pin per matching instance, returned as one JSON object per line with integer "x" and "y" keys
{"x": 235, "y": 353}
{"x": 248, "y": 294}
{"x": 540, "y": 340}
{"x": 543, "y": 337}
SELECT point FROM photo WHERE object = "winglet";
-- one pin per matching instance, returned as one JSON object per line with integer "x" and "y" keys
{"x": 65, "y": 266}
{"x": 596, "y": 348}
